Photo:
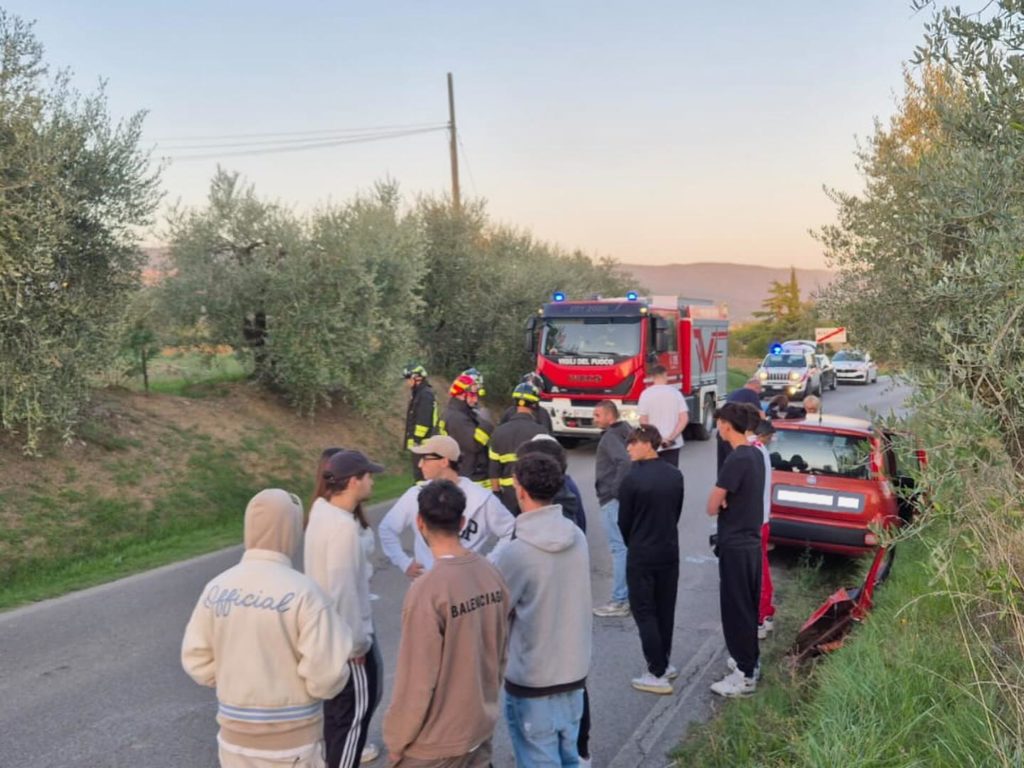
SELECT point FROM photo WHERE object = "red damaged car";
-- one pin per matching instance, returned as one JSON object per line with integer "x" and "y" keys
{"x": 832, "y": 478}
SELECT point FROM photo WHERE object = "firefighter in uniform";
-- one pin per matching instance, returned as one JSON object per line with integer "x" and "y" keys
{"x": 421, "y": 418}
{"x": 462, "y": 422}
{"x": 543, "y": 417}
{"x": 482, "y": 414}
{"x": 507, "y": 438}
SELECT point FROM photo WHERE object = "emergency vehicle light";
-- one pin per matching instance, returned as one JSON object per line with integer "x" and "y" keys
{"x": 776, "y": 349}
{"x": 558, "y": 296}
{"x": 631, "y": 296}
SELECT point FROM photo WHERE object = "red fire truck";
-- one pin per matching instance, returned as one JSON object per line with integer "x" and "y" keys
{"x": 596, "y": 349}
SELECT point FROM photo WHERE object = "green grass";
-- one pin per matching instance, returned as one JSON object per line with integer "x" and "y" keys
{"x": 899, "y": 693}
{"x": 737, "y": 378}
{"x": 192, "y": 374}
{"x": 96, "y": 535}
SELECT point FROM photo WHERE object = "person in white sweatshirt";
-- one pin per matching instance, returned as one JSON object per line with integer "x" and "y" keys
{"x": 271, "y": 643}
{"x": 336, "y": 560}
{"x": 485, "y": 515}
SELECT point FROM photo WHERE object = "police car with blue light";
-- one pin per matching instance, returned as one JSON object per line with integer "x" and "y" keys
{"x": 790, "y": 368}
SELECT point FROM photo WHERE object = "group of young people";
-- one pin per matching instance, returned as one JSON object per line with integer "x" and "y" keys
{"x": 294, "y": 655}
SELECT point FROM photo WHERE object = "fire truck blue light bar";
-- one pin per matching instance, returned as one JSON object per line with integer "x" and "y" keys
{"x": 558, "y": 296}
{"x": 632, "y": 296}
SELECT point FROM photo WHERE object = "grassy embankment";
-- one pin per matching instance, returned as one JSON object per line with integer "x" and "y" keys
{"x": 156, "y": 478}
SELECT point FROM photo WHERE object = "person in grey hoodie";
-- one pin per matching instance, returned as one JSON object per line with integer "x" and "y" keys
{"x": 547, "y": 570}
{"x": 612, "y": 465}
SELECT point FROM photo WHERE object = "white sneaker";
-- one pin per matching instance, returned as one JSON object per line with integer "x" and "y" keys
{"x": 768, "y": 625}
{"x": 671, "y": 672}
{"x": 614, "y": 609}
{"x": 731, "y": 664}
{"x": 651, "y": 684}
{"x": 370, "y": 753}
{"x": 735, "y": 684}
{"x": 584, "y": 762}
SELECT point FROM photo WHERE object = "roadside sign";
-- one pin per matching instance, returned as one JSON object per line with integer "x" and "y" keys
{"x": 830, "y": 335}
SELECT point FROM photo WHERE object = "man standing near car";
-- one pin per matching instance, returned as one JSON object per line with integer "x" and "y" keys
{"x": 650, "y": 504}
{"x": 748, "y": 393}
{"x": 738, "y": 502}
{"x": 664, "y": 407}
{"x": 612, "y": 465}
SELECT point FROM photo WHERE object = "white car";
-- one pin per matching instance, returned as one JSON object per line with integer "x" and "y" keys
{"x": 854, "y": 366}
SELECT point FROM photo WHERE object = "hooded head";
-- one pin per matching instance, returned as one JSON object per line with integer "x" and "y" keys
{"x": 273, "y": 521}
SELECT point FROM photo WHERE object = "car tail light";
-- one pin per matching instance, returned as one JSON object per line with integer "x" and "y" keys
{"x": 870, "y": 539}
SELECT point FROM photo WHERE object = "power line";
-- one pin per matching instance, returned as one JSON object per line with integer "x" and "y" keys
{"x": 408, "y": 126}
{"x": 298, "y": 141}
{"x": 303, "y": 147}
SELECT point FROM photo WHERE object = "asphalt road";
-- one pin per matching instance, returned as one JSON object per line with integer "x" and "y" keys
{"x": 92, "y": 680}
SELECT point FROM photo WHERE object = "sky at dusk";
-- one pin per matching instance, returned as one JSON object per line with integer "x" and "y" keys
{"x": 653, "y": 132}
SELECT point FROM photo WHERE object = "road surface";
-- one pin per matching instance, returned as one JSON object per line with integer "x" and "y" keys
{"x": 93, "y": 680}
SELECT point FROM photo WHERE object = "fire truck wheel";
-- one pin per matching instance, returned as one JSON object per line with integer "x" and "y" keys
{"x": 702, "y": 430}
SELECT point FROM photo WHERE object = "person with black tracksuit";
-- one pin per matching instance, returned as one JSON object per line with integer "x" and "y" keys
{"x": 462, "y": 422}
{"x": 506, "y": 441}
{"x": 421, "y": 417}
{"x": 650, "y": 504}
{"x": 738, "y": 502}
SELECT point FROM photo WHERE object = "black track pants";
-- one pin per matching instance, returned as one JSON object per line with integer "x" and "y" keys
{"x": 347, "y": 716}
{"x": 739, "y": 573}
{"x": 652, "y": 600}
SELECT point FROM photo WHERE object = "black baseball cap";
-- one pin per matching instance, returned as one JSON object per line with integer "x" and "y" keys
{"x": 349, "y": 464}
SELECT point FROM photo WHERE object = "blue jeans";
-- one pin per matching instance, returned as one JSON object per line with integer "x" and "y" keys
{"x": 610, "y": 512}
{"x": 544, "y": 730}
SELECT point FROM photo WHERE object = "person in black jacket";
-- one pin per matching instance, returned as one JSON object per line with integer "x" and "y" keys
{"x": 421, "y": 418}
{"x": 569, "y": 496}
{"x": 540, "y": 415}
{"x": 650, "y": 504}
{"x": 506, "y": 441}
{"x": 611, "y": 466}
{"x": 462, "y": 422}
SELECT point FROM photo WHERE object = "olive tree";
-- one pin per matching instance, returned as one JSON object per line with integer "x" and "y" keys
{"x": 323, "y": 305}
{"x": 74, "y": 186}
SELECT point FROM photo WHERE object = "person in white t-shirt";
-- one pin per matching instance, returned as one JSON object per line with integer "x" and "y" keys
{"x": 486, "y": 518}
{"x": 664, "y": 406}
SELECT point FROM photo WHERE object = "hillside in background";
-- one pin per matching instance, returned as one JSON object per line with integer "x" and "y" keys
{"x": 742, "y": 287}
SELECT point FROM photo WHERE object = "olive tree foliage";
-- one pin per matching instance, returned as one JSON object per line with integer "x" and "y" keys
{"x": 484, "y": 281}
{"x": 931, "y": 254}
{"x": 323, "y": 305}
{"x": 74, "y": 185}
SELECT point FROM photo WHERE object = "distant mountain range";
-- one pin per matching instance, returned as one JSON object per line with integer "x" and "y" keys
{"x": 741, "y": 287}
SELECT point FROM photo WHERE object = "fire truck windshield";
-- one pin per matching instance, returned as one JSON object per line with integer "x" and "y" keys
{"x": 591, "y": 337}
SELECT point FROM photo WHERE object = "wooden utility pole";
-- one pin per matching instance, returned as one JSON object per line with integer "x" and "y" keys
{"x": 453, "y": 147}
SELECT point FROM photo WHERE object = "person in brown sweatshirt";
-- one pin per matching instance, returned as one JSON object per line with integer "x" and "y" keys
{"x": 451, "y": 658}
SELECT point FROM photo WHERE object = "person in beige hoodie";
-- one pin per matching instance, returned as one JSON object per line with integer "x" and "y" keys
{"x": 271, "y": 643}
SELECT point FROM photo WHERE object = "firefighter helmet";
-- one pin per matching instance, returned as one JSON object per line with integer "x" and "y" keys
{"x": 526, "y": 395}
{"x": 462, "y": 385}
{"x": 533, "y": 378}
{"x": 414, "y": 369}
{"x": 478, "y": 380}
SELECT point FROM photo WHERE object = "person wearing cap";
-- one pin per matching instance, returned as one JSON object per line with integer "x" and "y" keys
{"x": 336, "y": 560}
{"x": 542, "y": 416}
{"x": 506, "y": 441}
{"x": 269, "y": 640}
{"x": 463, "y": 422}
{"x": 453, "y": 648}
{"x": 421, "y": 417}
{"x": 485, "y": 517}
